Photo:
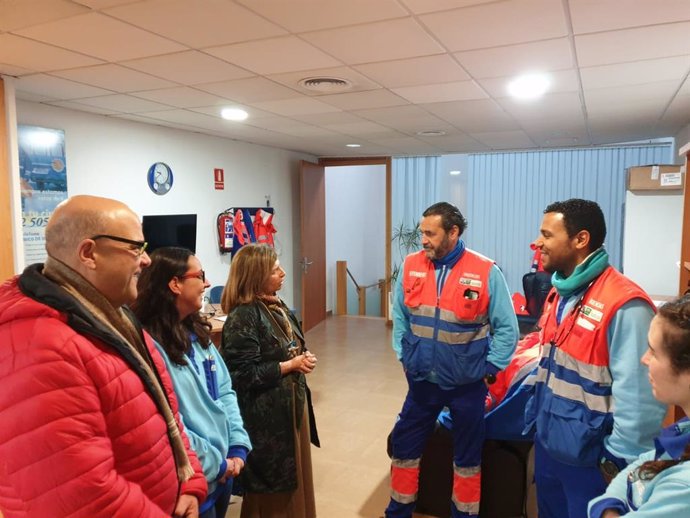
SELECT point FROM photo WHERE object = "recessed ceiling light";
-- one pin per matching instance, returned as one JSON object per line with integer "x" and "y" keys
{"x": 353, "y": 145}
{"x": 431, "y": 133}
{"x": 234, "y": 114}
{"x": 529, "y": 86}
{"x": 454, "y": 173}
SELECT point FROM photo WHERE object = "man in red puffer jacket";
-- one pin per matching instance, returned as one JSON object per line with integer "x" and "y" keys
{"x": 89, "y": 418}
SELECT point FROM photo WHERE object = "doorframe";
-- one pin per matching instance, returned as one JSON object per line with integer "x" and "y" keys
{"x": 377, "y": 160}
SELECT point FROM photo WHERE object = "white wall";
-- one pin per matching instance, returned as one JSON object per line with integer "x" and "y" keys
{"x": 110, "y": 157}
{"x": 355, "y": 224}
{"x": 651, "y": 240}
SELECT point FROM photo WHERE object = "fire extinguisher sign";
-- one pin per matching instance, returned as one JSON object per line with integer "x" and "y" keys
{"x": 219, "y": 179}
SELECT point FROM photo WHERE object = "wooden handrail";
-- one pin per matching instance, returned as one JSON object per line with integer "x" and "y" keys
{"x": 342, "y": 272}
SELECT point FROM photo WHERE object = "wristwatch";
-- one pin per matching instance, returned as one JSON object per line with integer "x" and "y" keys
{"x": 490, "y": 379}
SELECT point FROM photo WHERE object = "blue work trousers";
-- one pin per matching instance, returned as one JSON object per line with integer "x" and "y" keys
{"x": 417, "y": 420}
{"x": 563, "y": 491}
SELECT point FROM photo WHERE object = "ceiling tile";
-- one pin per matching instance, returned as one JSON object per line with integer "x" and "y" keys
{"x": 504, "y": 139}
{"x": 190, "y": 67}
{"x": 358, "y": 81}
{"x": 560, "y": 81}
{"x": 427, "y": 70}
{"x": 635, "y": 72}
{"x": 17, "y": 14}
{"x": 555, "y": 106}
{"x": 104, "y": 4}
{"x": 253, "y": 89}
{"x": 310, "y": 15}
{"x": 408, "y": 145}
{"x": 404, "y": 38}
{"x": 606, "y": 15}
{"x": 57, "y": 88}
{"x": 113, "y": 77}
{"x": 107, "y": 38}
{"x": 202, "y": 23}
{"x": 627, "y": 97}
{"x": 181, "y": 97}
{"x": 33, "y": 55}
{"x": 11, "y": 70}
{"x": 275, "y": 55}
{"x": 430, "y": 6}
{"x": 537, "y": 56}
{"x": 31, "y": 97}
{"x": 459, "y": 91}
{"x": 215, "y": 111}
{"x": 72, "y": 105}
{"x": 324, "y": 119}
{"x": 498, "y": 23}
{"x": 124, "y": 103}
{"x": 190, "y": 118}
{"x": 363, "y": 100}
{"x": 364, "y": 128}
{"x": 290, "y": 107}
{"x": 657, "y": 41}
{"x": 474, "y": 116}
{"x": 305, "y": 131}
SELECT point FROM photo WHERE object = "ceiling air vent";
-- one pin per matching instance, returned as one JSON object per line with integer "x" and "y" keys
{"x": 325, "y": 84}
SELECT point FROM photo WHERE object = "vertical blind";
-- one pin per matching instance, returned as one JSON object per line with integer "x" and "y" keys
{"x": 507, "y": 194}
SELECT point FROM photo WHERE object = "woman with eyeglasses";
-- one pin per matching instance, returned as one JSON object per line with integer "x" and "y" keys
{"x": 171, "y": 292}
{"x": 658, "y": 484}
{"x": 263, "y": 346}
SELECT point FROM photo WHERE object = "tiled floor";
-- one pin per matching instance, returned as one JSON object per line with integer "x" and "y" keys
{"x": 358, "y": 388}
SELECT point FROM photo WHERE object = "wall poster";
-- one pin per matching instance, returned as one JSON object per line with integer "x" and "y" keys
{"x": 43, "y": 180}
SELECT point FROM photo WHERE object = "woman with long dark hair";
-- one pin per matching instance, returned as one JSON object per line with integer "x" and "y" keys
{"x": 171, "y": 293}
{"x": 658, "y": 484}
{"x": 264, "y": 348}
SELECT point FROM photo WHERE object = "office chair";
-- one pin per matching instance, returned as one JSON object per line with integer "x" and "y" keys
{"x": 215, "y": 294}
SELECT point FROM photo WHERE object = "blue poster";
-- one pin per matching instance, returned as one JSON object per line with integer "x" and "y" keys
{"x": 43, "y": 181}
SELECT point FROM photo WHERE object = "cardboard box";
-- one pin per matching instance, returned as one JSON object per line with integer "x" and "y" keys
{"x": 656, "y": 178}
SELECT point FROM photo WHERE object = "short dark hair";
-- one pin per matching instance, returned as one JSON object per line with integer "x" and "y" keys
{"x": 580, "y": 215}
{"x": 450, "y": 216}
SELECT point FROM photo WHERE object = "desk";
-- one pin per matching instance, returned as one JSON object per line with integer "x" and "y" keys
{"x": 216, "y": 325}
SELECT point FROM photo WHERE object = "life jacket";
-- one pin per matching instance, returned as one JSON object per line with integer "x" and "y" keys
{"x": 572, "y": 406}
{"x": 449, "y": 333}
{"x": 263, "y": 227}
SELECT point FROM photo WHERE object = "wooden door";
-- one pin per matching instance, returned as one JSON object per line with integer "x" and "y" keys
{"x": 312, "y": 263}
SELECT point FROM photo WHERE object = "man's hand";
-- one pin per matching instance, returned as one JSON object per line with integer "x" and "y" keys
{"x": 187, "y": 507}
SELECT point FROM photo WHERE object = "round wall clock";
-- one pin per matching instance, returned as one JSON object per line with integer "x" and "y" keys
{"x": 160, "y": 178}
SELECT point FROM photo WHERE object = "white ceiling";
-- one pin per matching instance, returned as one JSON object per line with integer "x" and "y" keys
{"x": 619, "y": 69}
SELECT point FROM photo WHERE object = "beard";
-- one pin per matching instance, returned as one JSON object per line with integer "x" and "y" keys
{"x": 440, "y": 251}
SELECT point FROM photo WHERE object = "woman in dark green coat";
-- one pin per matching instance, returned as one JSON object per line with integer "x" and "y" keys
{"x": 263, "y": 347}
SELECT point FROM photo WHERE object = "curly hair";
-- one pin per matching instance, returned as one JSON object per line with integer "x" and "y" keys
{"x": 675, "y": 335}
{"x": 580, "y": 215}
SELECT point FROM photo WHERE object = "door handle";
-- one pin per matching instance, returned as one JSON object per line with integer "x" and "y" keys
{"x": 305, "y": 263}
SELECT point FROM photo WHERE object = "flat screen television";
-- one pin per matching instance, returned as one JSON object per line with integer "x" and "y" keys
{"x": 170, "y": 230}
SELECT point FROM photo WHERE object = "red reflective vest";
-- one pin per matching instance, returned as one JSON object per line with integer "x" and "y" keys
{"x": 263, "y": 227}
{"x": 572, "y": 406}
{"x": 449, "y": 334}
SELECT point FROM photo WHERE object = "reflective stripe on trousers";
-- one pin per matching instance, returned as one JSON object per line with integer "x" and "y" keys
{"x": 467, "y": 483}
{"x": 404, "y": 480}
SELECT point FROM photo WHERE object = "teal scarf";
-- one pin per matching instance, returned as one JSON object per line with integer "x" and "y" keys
{"x": 583, "y": 274}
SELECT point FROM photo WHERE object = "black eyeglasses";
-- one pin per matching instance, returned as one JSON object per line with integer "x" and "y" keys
{"x": 201, "y": 275}
{"x": 140, "y": 245}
